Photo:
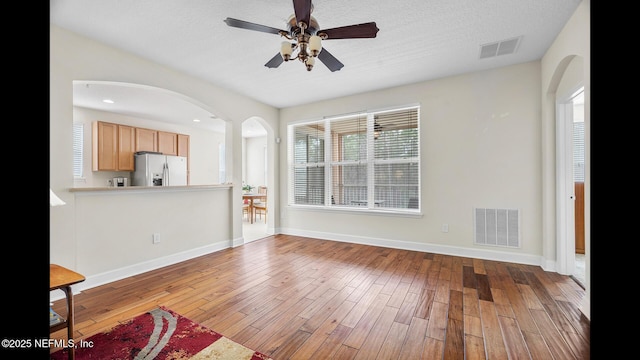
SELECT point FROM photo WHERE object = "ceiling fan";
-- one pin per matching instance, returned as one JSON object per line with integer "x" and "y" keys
{"x": 307, "y": 37}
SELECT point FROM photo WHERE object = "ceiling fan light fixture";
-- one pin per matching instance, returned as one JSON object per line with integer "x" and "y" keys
{"x": 285, "y": 50}
{"x": 315, "y": 45}
{"x": 309, "y": 62}
{"x": 306, "y": 37}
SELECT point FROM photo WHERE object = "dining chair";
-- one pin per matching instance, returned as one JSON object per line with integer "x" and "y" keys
{"x": 262, "y": 190}
{"x": 260, "y": 206}
{"x": 245, "y": 209}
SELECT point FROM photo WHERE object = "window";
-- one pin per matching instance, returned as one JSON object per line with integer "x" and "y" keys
{"x": 364, "y": 161}
{"x": 578, "y": 136}
{"x": 78, "y": 143}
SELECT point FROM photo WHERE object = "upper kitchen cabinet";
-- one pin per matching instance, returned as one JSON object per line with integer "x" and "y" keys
{"x": 183, "y": 145}
{"x": 126, "y": 147}
{"x": 113, "y": 147}
{"x": 168, "y": 143}
{"x": 146, "y": 140}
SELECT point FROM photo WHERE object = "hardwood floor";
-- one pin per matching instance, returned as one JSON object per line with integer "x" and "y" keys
{"x": 300, "y": 298}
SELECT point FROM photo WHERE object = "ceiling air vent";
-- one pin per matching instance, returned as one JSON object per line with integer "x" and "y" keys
{"x": 503, "y": 47}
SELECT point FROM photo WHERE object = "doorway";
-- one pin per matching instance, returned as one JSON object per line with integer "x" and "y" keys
{"x": 570, "y": 169}
{"x": 255, "y": 173}
{"x": 577, "y": 101}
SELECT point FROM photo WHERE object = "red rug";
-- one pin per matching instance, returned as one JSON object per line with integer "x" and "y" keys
{"x": 160, "y": 334}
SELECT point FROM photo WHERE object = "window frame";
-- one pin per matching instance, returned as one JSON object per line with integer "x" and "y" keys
{"x": 329, "y": 164}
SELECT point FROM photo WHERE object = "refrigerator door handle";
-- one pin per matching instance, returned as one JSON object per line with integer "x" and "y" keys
{"x": 165, "y": 174}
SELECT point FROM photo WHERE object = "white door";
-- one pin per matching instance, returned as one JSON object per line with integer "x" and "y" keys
{"x": 566, "y": 185}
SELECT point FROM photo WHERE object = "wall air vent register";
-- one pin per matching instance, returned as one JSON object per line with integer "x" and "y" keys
{"x": 497, "y": 227}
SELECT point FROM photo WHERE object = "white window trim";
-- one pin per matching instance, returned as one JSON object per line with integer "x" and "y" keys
{"x": 371, "y": 209}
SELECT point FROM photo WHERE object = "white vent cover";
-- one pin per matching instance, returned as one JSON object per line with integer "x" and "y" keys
{"x": 504, "y": 47}
{"x": 497, "y": 227}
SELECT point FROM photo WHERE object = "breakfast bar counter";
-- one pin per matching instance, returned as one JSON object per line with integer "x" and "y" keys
{"x": 149, "y": 188}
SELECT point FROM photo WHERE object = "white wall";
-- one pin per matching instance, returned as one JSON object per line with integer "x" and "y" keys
{"x": 254, "y": 161}
{"x": 104, "y": 235}
{"x": 114, "y": 229}
{"x": 480, "y": 147}
{"x": 559, "y": 74}
{"x": 203, "y": 147}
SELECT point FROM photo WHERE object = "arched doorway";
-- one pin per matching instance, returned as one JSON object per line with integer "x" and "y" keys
{"x": 255, "y": 175}
{"x": 571, "y": 147}
{"x": 571, "y": 163}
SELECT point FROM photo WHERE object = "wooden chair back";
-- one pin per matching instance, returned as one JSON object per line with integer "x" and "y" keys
{"x": 262, "y": 190}
{"x": 260, "y": 206}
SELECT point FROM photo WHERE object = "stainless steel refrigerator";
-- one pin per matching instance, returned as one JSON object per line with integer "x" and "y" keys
{"x": 156, "y": 169}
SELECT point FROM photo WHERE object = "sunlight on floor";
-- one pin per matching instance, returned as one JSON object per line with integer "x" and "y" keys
{"x": 579, "y": 272}
{"x": 258, "y": 230}
{"x": 255, "y": 231}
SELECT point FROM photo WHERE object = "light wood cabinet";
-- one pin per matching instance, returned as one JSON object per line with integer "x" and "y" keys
{"x": 168, "y": 143}
{"x": 105, "y": 146}
{"x": 126, "y": 147}
{"x": 183, "y": 145}
{"x": 146, "y": 140}
{"x": 114, "y": 145}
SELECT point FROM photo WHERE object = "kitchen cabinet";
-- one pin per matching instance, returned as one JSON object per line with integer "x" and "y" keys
{"x": 168, "y": 143}
{"x": 113, "y": 147}
{"x": 146, "y": 140}
{"x": 126, "y": 147}
{"x": 105, "y": 146}
{"x": 183, "y": 145}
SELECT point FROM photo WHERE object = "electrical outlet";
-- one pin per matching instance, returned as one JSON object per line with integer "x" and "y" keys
{"x": 445, "y": 228}
{"x": 156, "y": 238}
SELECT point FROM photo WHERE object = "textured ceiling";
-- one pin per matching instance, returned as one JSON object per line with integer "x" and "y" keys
{"x": 418, "y": 40}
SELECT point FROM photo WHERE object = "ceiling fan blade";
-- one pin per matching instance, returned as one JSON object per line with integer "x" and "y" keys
{"x": 365, "y": 30}
{"x": 275, "y": 61}
{"x": 251, "y": 26}
{"x": 329, "y": 60}
{"x": 302, "y": 9}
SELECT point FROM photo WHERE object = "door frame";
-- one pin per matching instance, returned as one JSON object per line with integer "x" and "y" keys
{"x": 565, "y": 199}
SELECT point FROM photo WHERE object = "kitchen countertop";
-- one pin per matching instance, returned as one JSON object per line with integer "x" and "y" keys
{"x": 152, "y": 188}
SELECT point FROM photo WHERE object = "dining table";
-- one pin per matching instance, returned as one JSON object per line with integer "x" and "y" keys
{"x": 251, "y": 197}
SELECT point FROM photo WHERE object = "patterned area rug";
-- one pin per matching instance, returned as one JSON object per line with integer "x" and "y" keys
{"x": 161, "y": 334}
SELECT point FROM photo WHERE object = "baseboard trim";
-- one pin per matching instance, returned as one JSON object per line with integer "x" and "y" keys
{"x": 127, "y": 271}
{"x": 485, "y": 254}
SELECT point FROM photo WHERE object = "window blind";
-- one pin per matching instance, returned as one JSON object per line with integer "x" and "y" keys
{"x": 368, "y": 160}
{"x": 578, "y": 151}
{"x": 78, "y": 146}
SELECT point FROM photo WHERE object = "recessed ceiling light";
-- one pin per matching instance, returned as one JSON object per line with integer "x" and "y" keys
{"x": 196, "y": 120}
{"x": 108, "y": 101}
